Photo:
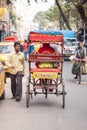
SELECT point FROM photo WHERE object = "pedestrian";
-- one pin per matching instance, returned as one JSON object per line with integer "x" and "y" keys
{"x": 15, "y": 62}
{"x": 30, "y": 47}
{"x": 80, "y": 53}
{"x": 21, "y": 47}
{"x": 25, "y": 49}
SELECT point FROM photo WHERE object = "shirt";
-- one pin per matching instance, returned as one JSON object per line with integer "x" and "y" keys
{"x": 17, "y": 61}
{"x": 30, "y": 49}
{"x": 80, "y": 53}
{"x": 25, "y": 46}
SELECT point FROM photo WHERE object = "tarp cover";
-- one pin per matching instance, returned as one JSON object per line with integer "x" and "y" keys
{"x": 47, "y": 32}
{"x": 46, "y": 36}
{"x": 11, "y": 39}
{"x": 68, "y": 33}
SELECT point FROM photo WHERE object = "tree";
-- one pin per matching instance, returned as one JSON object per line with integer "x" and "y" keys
{"x": 8, "y": 2}
{"x": 40, "y": 18}
{"x": 49, "y": 18}
{"x": 62, "y": 14}
{"x": 13, "y": 18}
{"x": 81, "y": 7}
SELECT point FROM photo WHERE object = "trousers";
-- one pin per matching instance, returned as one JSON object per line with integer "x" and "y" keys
{"x": 16, "y": 85}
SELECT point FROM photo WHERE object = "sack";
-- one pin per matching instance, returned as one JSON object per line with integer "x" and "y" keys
{"x": 84, "y": 69}
{"x": 75, "y": 68}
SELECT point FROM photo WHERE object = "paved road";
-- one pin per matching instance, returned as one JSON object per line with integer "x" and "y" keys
{"x": 47, "y": 114}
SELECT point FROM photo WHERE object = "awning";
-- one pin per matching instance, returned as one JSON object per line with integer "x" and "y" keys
{"x": 11, "y": 39}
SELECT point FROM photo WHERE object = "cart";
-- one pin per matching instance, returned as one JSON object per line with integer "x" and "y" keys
{"x": 2, "y": 82}
{"x": 45, "y": 80}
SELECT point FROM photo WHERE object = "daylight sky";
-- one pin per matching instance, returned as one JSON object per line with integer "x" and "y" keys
{"x": 28, "y": 12}
{"x": 40, "y": 6}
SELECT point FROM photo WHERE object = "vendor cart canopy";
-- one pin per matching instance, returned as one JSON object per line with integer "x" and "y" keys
{"x": 45, "y": 36}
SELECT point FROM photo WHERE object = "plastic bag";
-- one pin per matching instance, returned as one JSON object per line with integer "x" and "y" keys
{"x": 75, "y": 68}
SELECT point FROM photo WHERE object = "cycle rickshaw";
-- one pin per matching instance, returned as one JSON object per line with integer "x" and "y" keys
{"x": 43, "y": 79}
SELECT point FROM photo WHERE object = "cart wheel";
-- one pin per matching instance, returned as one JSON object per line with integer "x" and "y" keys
{"x": 46, "y": 93}
{"x": 27, "y": 95}
{"x": 63, "y": 94}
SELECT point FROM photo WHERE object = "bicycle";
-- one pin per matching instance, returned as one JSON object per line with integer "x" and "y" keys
{"x": 81, "y": 64}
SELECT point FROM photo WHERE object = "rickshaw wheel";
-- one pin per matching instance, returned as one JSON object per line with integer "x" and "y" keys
{"x": 63, "y": 94}
{"x": 27, "y": 96}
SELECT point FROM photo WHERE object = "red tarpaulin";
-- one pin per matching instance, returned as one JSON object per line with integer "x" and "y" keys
{"x": 11, "y": 39}
{"x": 45, "y": 37}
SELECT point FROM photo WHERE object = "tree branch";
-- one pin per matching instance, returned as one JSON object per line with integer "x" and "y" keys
{"x": 81, "y": 11}
{"x": 62, "y": 14}
{"x": 83, "y": 1}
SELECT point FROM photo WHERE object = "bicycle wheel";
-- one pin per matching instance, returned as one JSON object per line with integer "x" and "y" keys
{"x": 79, "y": 76}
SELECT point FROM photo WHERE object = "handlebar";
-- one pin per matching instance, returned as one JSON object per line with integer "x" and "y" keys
{"x": 80, "y": 60}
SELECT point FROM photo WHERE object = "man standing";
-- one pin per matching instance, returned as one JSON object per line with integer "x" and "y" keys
{"x": 25, "y": 49}
{"x": 15, "y": 62}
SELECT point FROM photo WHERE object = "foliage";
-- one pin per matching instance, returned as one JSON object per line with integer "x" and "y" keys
{"x": 53, "y": 15}
{"x": 46, "y": 18}
{"x": 36, "y": 1}
{"x": 8, "y": 2}
{"x": 13, "y": 17}
{"x": 74, "y": 12}
{"x": 40, "y": 18}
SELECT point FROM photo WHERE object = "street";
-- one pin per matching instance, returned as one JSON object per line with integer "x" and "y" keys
{"x": 47, "y": 114}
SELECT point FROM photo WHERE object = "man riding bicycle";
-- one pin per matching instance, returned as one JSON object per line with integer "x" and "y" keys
{"x": 80, "y": 54}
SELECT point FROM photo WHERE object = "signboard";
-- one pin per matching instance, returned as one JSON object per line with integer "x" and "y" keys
{"x": 45, "y": 75}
